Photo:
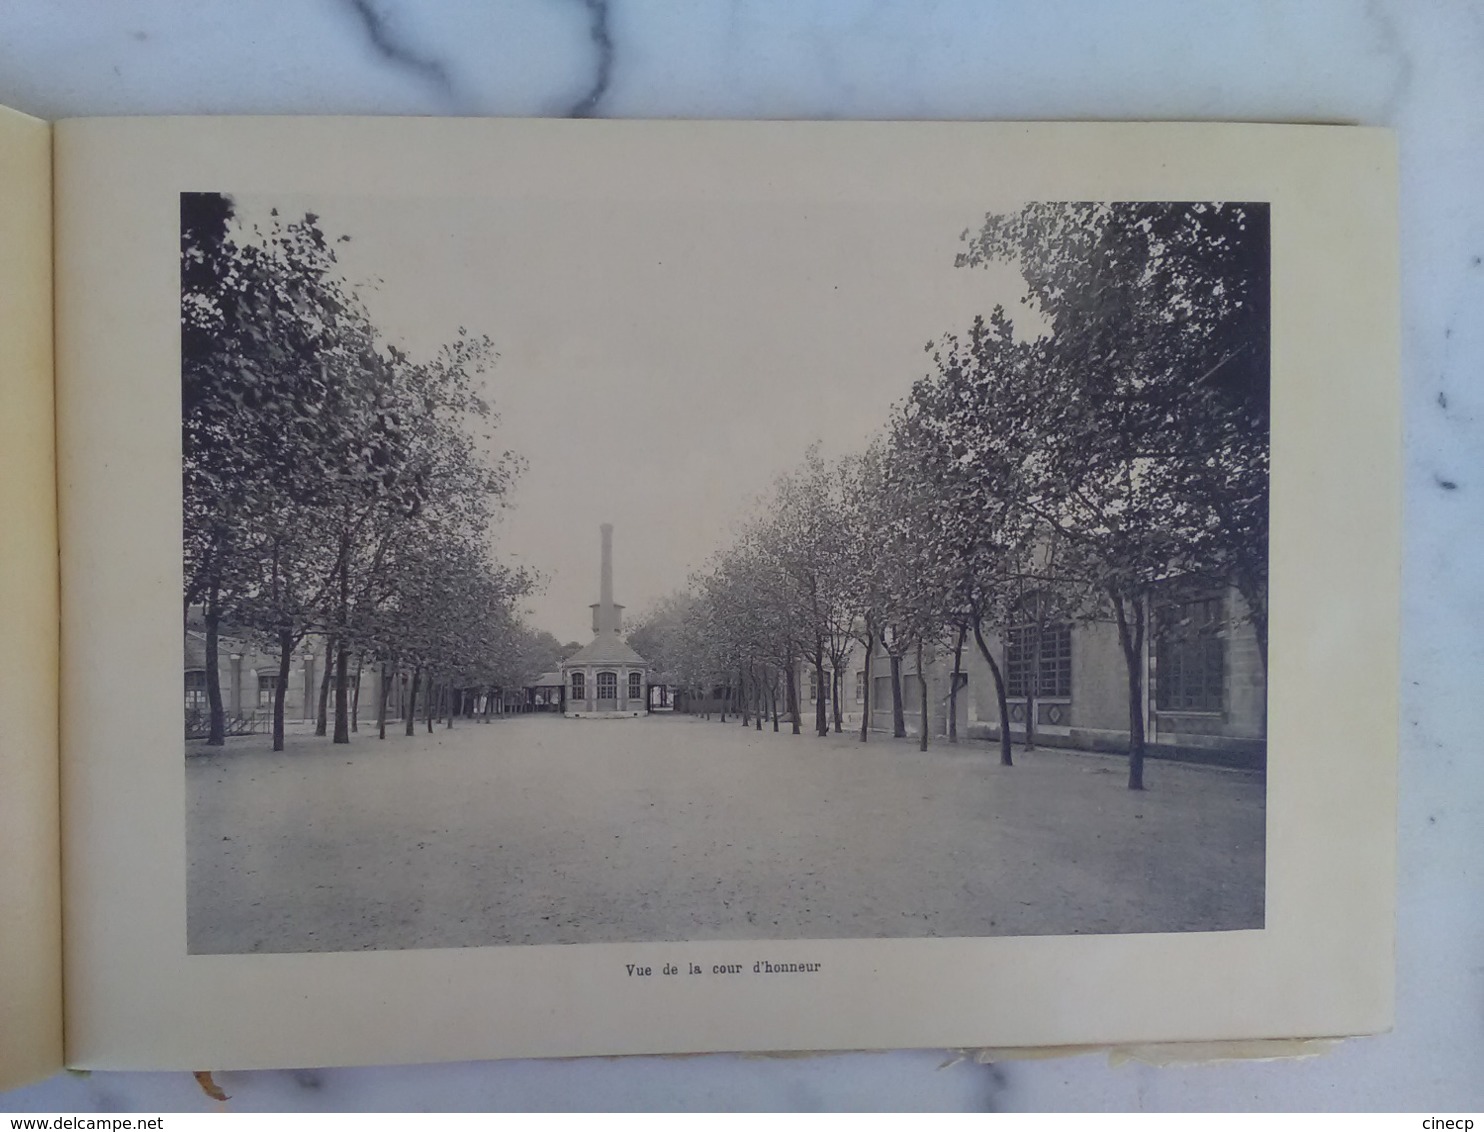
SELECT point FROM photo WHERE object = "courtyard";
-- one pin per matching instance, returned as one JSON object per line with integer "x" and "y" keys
{"x": 538, "y": 830}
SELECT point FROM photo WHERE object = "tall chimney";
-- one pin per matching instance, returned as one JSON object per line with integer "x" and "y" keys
{"x": 605, "y": 594}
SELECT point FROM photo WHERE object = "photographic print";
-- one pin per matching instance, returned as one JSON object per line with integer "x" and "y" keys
{"x": 559, "y": 572}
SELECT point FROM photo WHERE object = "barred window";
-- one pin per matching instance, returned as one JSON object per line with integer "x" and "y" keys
{"x": 267, "y": 685}
{"x": 1054, "y": 677}
{"x": 860, "y": 687}
{"x": 1190, "y": 656}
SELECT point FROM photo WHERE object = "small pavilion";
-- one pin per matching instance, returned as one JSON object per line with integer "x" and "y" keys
{"x": 606, "y": 679}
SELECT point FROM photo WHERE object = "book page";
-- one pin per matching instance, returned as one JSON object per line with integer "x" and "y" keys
{"x": 30, "y": 845}
{"x": 443, "y": 497}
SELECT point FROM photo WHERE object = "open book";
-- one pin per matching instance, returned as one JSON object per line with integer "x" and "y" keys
{"x": 562, "y": 588}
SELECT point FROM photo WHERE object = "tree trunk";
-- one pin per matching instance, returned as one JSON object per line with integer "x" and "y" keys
{"x": 866, "y": 687}
{"x": 216, "y": 735}
{"x": 822, "y": 694}
{"x": 792, "y": 691}
{"x": 773, "y": 699}
{"x": 922, "y": 740}
{"x": 898, "y": 719}
{"x": 430, "y": 697}
{"x": 342, "y": 698}
{"x": 322, "y": 718}
{"x": 999, "y": 693}
{"x": 342, "y": 651}
{"x": 744, "y": 699}
{"x": 451, "y": 709}
{"x": 835, "y": 692}
{"x": 385, "y": 690}
{"x": 412, "y": 700}
{"x": 285, "y": 655}
{"x": 1032, "y": 685}
{"x": 355, "y": 695}
{"x": 1131, "y": 637}
{"x": 1256, "y": 598}
{"x": 958, "y": 668}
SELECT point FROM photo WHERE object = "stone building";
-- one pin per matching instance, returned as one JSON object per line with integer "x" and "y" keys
{"x": 606, "y": 678}
{"x": 1204, "y": 694}
{"x": 248, "y": 675}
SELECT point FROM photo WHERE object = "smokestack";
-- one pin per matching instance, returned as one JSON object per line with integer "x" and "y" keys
{"x": 605, "y": 593}
{"x": 607, "y": 616}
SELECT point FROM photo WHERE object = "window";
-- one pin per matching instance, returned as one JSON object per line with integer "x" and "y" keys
{"x": 911, "y": 693}
{"x": 1055, "y": 661}
{"x": 814, "y": 686}
{"x": 881, "y": 694}
{"x": 1190, "y": 656}
{"x": 607, "y": 685}
{"x": 636, "y": 686}
{"x": 267, "y": 685}
{"x": 579, "y": 686}
{"x": 860, "y": 687}
{"x": 195, "y": 690}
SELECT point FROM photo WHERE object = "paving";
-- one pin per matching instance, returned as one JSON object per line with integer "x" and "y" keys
{"x": 537, "y": 829}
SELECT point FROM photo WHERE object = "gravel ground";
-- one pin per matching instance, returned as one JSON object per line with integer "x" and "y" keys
{"x": 544, "y": 830}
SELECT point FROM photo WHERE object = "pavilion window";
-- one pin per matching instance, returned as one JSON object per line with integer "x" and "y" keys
{"x": 636, "y": 686}
{"x": 607, "y": 685}
{"x": 267, "y": 685}
{"x": 579, "y": 686}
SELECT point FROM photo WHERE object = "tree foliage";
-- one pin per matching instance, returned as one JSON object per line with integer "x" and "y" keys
{"x": 1030, "y": 478}
{"x": 333, "y": 485}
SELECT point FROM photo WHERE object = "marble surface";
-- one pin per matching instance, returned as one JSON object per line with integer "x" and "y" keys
{"x": 1418, "y": 67}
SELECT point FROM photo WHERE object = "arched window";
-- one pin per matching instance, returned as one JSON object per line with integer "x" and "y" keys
{"x": 607, "y": 685}
{"x": 636, "y": 686}
{"x": 579, "y": 686}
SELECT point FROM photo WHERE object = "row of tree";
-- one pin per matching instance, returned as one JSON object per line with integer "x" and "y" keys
{"x": 334, "y": 487}
{"x": 1027, "y": 479}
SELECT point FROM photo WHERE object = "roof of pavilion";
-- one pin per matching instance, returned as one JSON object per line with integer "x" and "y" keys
{"x": 605, "y": 648}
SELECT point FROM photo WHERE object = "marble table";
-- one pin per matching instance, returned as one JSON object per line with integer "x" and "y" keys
{"x": 1416, "y": 67}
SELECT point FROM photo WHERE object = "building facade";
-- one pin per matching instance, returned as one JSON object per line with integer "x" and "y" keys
{"x": 1204, "y": 689}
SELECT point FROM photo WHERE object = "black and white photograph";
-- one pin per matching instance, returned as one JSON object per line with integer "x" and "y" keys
{"x": 562, "y": 572}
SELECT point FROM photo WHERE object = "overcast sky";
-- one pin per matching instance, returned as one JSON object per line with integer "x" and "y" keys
{"x": 661, "y": 364}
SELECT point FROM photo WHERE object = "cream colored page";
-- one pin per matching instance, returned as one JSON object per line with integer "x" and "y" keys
{"x": 1322, "y": 965}
{"x": 30, "y": 880}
